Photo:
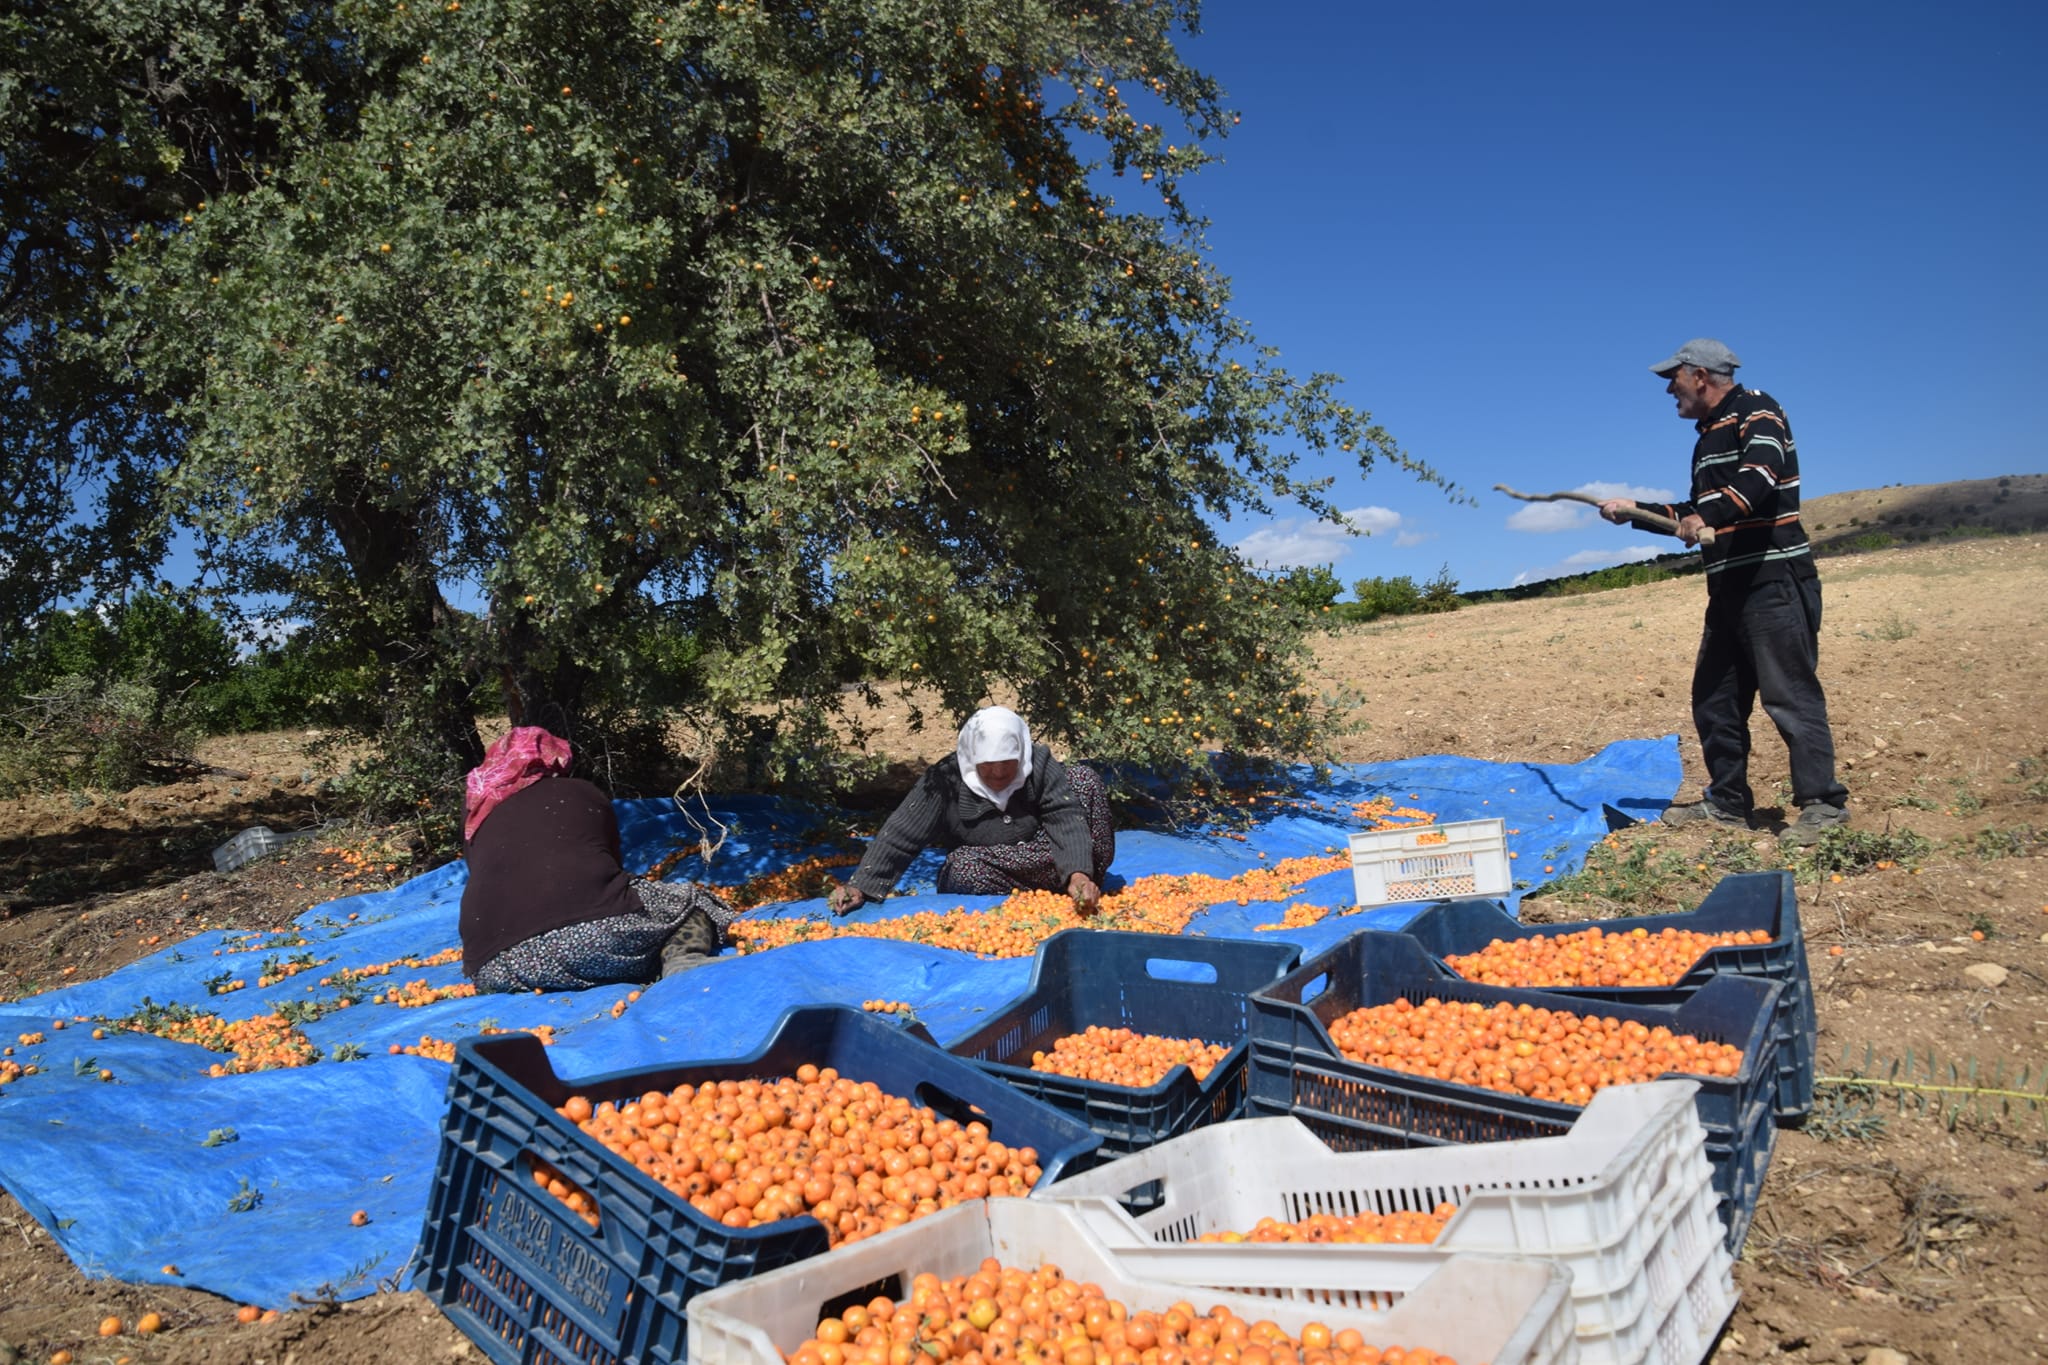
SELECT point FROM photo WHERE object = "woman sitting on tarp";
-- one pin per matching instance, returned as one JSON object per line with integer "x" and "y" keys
{"x": 549, "y": 905}
{"x": 1011, "y": 815}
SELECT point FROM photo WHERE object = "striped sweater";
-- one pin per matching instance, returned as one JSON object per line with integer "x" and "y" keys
{"x": 1745, "y": 484}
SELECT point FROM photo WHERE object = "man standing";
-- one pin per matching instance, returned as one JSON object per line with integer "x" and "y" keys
{"x": 1762, "y": 633}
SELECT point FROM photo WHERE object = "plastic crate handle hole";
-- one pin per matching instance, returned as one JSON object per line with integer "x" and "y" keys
{"x": 1182, "y": 970}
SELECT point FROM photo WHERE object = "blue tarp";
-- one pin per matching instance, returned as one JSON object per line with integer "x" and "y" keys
{"x": 246, "y": 1183}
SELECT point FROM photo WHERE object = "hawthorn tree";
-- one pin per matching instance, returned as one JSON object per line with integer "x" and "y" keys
{"x": 809, "y": 335}
{"x": 115, "y": 119}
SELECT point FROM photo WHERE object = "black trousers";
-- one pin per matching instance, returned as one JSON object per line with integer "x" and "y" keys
{"x": 1765, "y": 643}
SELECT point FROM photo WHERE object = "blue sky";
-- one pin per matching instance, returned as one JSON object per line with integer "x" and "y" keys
{"x": 1491, "y": 218}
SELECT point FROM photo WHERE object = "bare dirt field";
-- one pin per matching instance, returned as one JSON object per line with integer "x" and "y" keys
{"x": 1883, "y": 1234}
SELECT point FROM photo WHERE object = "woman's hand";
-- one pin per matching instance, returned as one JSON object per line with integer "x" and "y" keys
{"x": 845, "y": 899}
{"x": 1087, "y": 895}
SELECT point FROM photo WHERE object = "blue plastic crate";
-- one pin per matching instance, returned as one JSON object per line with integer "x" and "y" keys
{"x": 529, "y": 1281}
{"x": 1743, "y": 900}
{"x": 1295, "y": 1068}
{"x": 1172, "y": 985}
{"x": 1748, "y": 1161}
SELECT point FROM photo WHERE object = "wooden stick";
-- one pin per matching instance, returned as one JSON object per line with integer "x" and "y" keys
{"x": 1638, "y": 515}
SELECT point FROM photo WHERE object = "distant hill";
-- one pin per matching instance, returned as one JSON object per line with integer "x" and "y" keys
{"x": 1844, "y": 523}
{"x": 2012, "y": 504}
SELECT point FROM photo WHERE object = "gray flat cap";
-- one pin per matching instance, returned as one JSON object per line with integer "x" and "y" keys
{"x": 1702, "y": 353}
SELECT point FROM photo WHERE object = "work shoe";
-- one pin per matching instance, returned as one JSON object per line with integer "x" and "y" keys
{"x": 694, "y": 943}
{"x": 1703, "y": 812}
{"x": 1806, "y": 830}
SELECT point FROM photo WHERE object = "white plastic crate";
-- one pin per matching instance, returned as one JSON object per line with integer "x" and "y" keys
{"x": 1475, "y": 1308}
{"x": 1431, "y": 862}
{"x": 1625, "y": 1201}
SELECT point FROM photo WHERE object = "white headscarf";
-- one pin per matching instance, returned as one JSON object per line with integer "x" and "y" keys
{"x": 991, "y": 735}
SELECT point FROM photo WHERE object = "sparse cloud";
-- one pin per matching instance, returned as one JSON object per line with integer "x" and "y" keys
{"x": 266, "y": 631}
{"x": 1585, "y": 561}
{"x": 1294, "y": 544}
{"x": 1547, "y": 518}
{"x": 1373, "y": 520}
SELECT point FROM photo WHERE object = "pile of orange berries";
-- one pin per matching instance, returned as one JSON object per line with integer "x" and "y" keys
{"x": 1040, "y": 1317}
{"x": 1160, "y": 904}
{"x": 1594, "y": 957}
{"x": 442, "y": 1050}
{"x": 415, "y": 994}
{"x": 888, "y": 1007}
{"x": 1300, "y": 915}
{"x": 358, "y": 861}
{"x": 799, "y": 881}
{"x": 349, "y": 975}
{"x": 1520, "y": 1049}
{"x": 851, "y": 1155}
{"x": 1118, "y": 1056}
{"x": 264, "y": 1042}
{"x": 1381, "y": 813}
{"x": 1411, "y": 1225}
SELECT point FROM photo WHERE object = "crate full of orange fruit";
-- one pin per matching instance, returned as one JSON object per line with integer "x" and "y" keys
{"x": 577, "y": 1219}
{"x": 1011, "y": 1280}
{"x": 1748, "y": 924}
{"x": 1140, "y": 1036}
{"x": 1624, "y": 1201}
{"x": 1373, "y": 1045}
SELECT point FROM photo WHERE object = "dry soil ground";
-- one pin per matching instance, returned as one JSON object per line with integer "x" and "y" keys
{"x": 1879, "y": 1230}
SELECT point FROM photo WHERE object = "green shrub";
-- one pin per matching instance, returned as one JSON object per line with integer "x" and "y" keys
{"x": 166, "y": 645}
{"x": 1441, "y": 592}
{"x": 1842, "y": 849}
{"x": 1863, "y": 544}
{"x": 74, "y": 735}
{"x": 1600, "y": 580}
{"x": 297, "y": 683}
{"x": 1312, "y": 587}
{"x": 1378, "y": 597}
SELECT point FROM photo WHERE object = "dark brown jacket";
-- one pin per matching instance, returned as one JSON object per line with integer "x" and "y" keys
{"x": 546, "y": 858}
{"x": 942, "y": 811}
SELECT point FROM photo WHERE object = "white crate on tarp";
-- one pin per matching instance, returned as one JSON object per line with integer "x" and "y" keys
{"x": 1431, "y": 862}
{"x": 1624, "y": 1201}
{"x": 257, "y": 841}
{"x": 1474, "y": 1308}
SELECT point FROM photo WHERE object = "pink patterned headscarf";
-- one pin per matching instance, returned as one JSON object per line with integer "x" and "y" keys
{"x": 524, "y": 755}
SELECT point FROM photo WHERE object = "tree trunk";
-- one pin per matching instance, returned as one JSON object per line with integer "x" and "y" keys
{"x": 409, "y": 626}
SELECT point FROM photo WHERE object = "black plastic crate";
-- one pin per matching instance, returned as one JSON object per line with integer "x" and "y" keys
{"x": 1142, "y": 982}
{"x": 1743, "y": 900}
{"x": 1295, "y": 1068}
{"x": 529, "y": 1281}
